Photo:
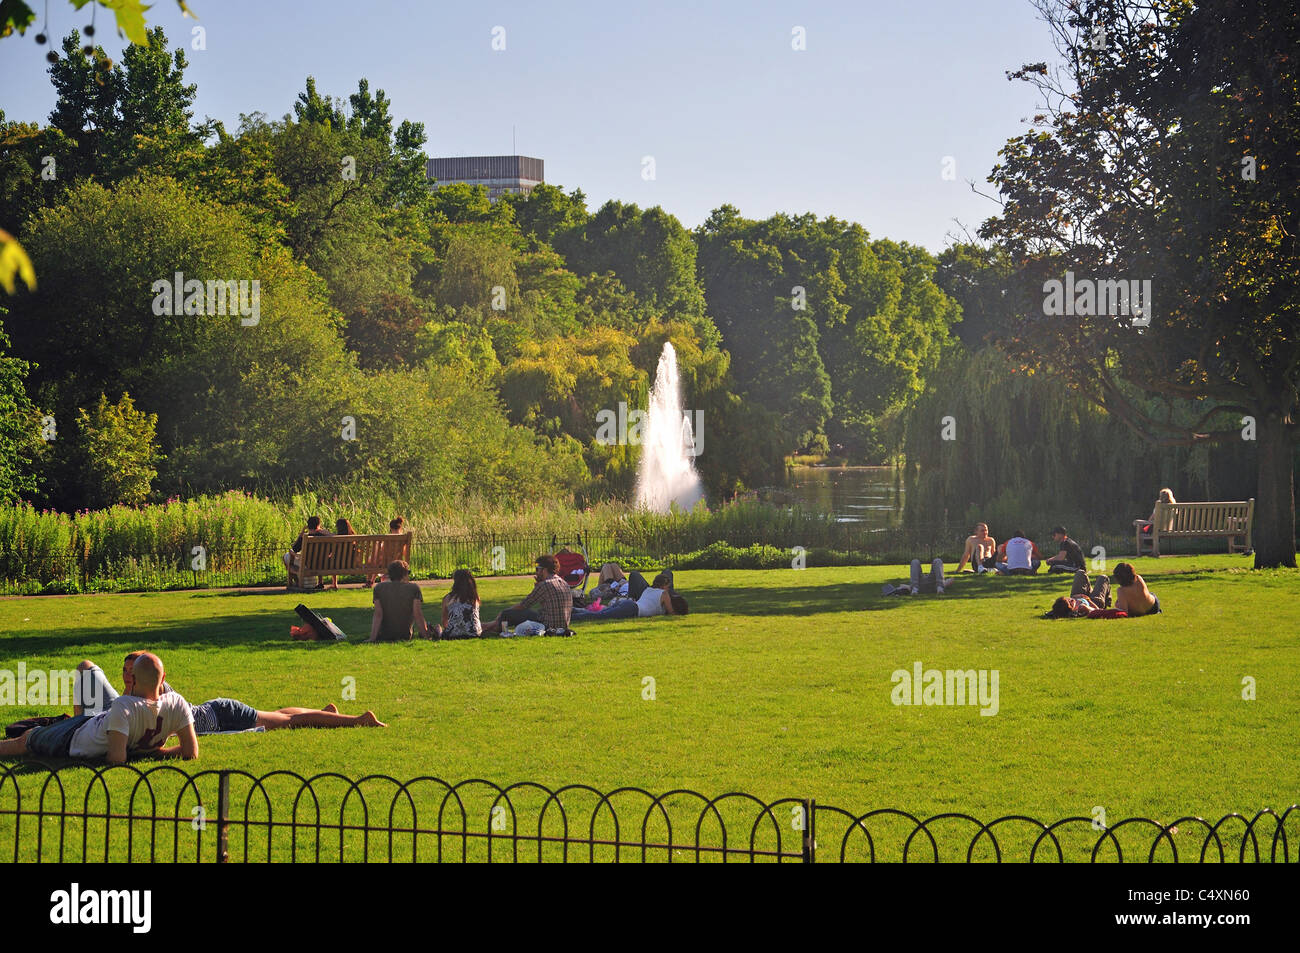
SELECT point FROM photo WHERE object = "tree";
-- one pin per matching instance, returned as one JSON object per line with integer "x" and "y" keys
{"x": 20, "y": 442}
{"x": 116, "y": 453}
{"x": 1167, "y": 155}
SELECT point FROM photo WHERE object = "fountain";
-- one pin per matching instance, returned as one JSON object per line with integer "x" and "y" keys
{"x": 666, "y": 474}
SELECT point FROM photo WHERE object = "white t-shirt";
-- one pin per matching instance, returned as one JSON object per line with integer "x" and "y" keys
{"x": 650, "y": 603}
{"x": 1019, "y": 553}
{"x": 145, "y": 723}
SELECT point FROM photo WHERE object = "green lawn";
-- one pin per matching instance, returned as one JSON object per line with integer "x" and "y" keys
{"x": 777, "y": 684}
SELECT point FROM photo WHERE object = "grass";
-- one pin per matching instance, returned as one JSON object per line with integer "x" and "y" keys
{"x": 777, "y": 684}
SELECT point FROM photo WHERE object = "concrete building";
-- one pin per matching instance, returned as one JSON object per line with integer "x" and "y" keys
{"x": 501, "y": 174}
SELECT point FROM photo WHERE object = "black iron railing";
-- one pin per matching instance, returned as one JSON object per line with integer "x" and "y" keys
{"x": 163, "y": 814}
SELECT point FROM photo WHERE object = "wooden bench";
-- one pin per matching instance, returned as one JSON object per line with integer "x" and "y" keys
{"x": 348, "y": 555}
{"x": 1184, "y": 520}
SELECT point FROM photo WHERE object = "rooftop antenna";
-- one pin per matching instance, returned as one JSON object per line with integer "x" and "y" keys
{"x": 514, "y": 149}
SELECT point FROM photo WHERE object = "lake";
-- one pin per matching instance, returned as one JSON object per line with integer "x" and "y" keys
{"x": 867, "y": 495}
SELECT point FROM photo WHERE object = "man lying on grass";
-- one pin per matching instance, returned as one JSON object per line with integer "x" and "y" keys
{"x": 1133, "y": 599}
{"x": 136, "y": 723}
{"x": 217, "y": 714}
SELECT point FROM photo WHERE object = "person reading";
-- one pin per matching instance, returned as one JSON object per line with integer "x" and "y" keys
{"x": 980, "y": 550}
{"x": 398, "y": 606}
{"x": 550, "y": 602}
{"x": 1070, "y": 556}
{"x": 1133, "y": 596}
{"x": 132, "y": 724}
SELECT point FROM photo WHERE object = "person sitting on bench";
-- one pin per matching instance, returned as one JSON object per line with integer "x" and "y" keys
{"x": 293, "y": 558}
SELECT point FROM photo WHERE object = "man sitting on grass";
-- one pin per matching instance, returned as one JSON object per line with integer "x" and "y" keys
{"x": 399, "y": 605}
{"x": 1134, "y": 597}
{"x": 1020, "y": 556}
{"x": 214, "y": 715}
{"x": 133, "y": 724}
{"x": 550, "y": 602}
{"x": 979, "y": 551}
{"x": 1070, "y": 557}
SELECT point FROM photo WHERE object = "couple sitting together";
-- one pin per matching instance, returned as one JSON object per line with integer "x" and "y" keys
{"x": 137, "y": 722}
{"x": 619, "y": 596}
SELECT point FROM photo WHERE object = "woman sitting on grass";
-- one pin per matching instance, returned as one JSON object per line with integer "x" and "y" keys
{"x": 460, "y": 618}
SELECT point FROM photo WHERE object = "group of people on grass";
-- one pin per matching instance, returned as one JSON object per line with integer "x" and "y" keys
{"x": 148, "y": 712}
{"x": 1019, "y": 556}
{"x": 549, "y": 607}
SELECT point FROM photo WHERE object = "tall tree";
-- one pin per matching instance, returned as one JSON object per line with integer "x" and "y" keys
{"x": 1167, "y": 154}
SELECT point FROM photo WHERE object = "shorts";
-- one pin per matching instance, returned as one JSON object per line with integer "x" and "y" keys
{"x": 54, "y": 741}
{"x": 223, "y": 714}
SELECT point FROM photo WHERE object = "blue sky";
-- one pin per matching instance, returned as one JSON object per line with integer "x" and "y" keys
{"x": 856, "y": 126}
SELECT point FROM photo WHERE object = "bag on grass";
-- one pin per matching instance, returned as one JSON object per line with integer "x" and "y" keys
{"x": 325, "y": 629}
{"x": 40, "y": 721}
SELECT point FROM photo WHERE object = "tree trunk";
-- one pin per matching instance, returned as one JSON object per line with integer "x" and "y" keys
{"x": 1274, "y": 537}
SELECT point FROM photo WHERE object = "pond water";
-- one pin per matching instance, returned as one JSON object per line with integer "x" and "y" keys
{"x": 869, "y": 495}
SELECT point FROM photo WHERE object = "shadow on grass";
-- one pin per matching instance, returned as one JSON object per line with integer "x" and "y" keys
{"x": 264, "y": 628}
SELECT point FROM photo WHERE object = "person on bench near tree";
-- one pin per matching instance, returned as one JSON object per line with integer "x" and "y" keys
{"x": 293, "y": 558}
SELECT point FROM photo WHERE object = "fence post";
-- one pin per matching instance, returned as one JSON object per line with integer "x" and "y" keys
{"x": 223, "y": 823}
{"x": 810, "y": 831}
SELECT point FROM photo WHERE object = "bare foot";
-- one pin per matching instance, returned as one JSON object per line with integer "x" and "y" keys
{"x": 368, "y": 720}
{"x": 330, "y": 707}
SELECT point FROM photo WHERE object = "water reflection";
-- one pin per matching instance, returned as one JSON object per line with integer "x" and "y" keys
{"x": 869, "y": 495}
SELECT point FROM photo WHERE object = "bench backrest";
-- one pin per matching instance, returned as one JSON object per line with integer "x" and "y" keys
{"x": 324, "y": 555}
{"x": 1203, "y": 518}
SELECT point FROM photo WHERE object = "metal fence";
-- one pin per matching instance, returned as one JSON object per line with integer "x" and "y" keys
{"x": 184, "y": 567}
{"x": 163, "y": 814}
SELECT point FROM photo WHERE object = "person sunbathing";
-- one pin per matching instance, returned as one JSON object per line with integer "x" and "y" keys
{"x": 643, "y": 599}
{"x": 980, "y": 550}
{"x": 1133, "y": 596}
{"x": 136, "y": 723}
{"x": 216, "y": 714}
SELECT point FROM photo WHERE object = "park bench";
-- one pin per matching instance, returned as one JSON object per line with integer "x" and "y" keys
{"x": 348, "y": 555}
{"x": 1185, "y": 520}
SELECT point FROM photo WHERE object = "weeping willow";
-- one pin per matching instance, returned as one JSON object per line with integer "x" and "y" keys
{"x": 1026, "y": 453}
